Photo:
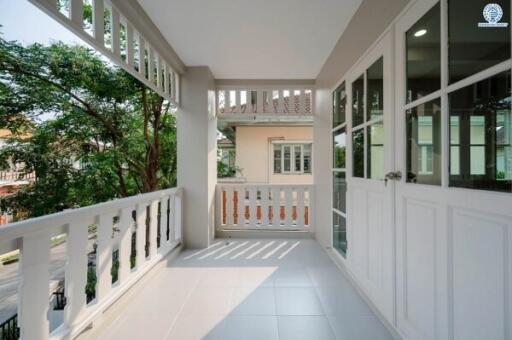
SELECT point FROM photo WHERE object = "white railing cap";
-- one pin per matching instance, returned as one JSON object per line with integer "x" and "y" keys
{"x": 14, "y": 230}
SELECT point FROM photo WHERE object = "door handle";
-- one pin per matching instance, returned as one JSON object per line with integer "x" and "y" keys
{"x": 394, "y": 175}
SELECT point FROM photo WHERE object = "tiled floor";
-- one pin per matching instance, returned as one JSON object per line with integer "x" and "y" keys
{"x": 249, "y": 289}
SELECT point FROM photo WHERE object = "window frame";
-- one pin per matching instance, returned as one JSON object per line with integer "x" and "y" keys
{"x": 292, "y": 145}
{"x": 407, "y": 20}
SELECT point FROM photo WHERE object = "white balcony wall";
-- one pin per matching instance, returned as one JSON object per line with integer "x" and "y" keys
{"x": 197, "y": 155}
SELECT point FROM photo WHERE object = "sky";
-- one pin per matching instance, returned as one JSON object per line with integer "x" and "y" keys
{"x": 24, "y": 22}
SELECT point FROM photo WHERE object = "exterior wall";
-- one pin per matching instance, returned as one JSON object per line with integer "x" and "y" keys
{"x": 254, "y": 152}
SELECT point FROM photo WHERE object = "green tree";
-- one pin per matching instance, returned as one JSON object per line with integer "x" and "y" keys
{"x": 111, "y": 136}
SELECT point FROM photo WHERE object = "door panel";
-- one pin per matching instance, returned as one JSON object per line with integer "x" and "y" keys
{"x": 370, "y": 199}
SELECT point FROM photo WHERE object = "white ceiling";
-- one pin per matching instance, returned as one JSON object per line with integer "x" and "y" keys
{"x": 253, "y": 39}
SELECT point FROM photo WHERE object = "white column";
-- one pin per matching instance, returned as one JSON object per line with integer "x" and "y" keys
{"x": 197, "y": 156}
{"x": 320, "y": 220}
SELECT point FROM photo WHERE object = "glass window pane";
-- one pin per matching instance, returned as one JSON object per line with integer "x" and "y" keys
{"x": 424, "y": 143}
{"x": 474, "y": 47}
{"x": 307, "y": 158}
{"x": 358, "y": 101}
{"x": 339, "y": 191}
{"x": 339, "y": 148}
{"x": 339, "y": 230}
{"x": 375, "y": 152}
{"x": 375, "y": 88}
{"x": 358, "y": 153}
{"x": 423, "y": 49}
{"x": 482, "y": 115}
{"x": 287, "y": 158}
{"x": 297, "y": 158}
{"x": 340, "y": 102}
{"x": 277, "y": 159}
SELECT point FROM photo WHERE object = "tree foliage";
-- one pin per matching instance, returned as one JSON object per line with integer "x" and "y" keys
{"x": 110, "y": 136}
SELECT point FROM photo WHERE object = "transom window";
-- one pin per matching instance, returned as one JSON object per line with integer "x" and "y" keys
{"x": 292, "y": 158}
{"x": 466, "y": 92}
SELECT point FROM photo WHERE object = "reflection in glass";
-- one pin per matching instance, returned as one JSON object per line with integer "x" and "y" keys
{"x": 358, "y": 101}
{"x": 339, "y": 230}
{"x": 277, "y": 158}
{"x": 339, "y": 191}
{"x": 375, "y": 152}
{"x": 287, "y": 158}
{"x": 307, "y": 158}
{"x": 297, "y": 158}
{"x": 358, "y": 153}
{"x": 339, "y": 148}
{"x": 423, "y": 46}
{"x": 339, "y": 104}
{"x": 375, "y": 89}
{"x": 424, "y": 143}
{"x": 473, "y": 48}
{"x": 481, "y": 135}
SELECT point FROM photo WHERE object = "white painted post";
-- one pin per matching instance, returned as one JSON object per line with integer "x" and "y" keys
{"x": 253, "y": 193}
{"x": 126, "y": 225}
{"x": 172, "y": 218}
{"x": 288, "y": 207}
{"x": 280, "y": 101}
{"x": 302, "y": 105}
{"x": 129, "y": 45}
{"x": 98, "y": 21}
{"x": 151, "y": 65}
{"x": 248, "y": 101}
{"x": 300, "y": 207}
{"x": 178, "y": 206}
{"x": 34, "y": 286}
{"x": 264, "y": 206}
{"x": 76, "y": 271}
{"x": 259, "y": 102}
{"x": 238, "y": 101}
{"x": 77, "y": 13}
{"x": 116, "y": 39}
{"x": 159, "y": 82}
{"x": 270, "y": 98}
{"x": 241, "y": 206}
{"x": 153, "y": 228}
{"x": 276, "y": 207}
{"x": 142, "y": 56}
{"x": 229, "y": 205}
{"x": 104, "y": 256}
{"x": 140, "y": 240}
{"x": 166, "y": 78}
{"x": 164, "y": 219}
{"x": 227, "y": 101}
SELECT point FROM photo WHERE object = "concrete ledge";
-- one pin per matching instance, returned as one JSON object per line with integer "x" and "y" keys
{"x": 257, "y": 234}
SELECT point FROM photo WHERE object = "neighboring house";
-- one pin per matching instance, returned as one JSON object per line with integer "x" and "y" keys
{"x": 273, "y": 154}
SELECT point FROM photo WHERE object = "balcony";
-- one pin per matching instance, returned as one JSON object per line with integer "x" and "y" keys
{"x": 385, "y": 214}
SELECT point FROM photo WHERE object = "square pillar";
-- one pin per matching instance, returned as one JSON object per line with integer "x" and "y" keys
{"x": 197, "y": 155}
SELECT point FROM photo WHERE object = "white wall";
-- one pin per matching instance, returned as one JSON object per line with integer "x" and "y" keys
{"x": 197, "y": 157}
{"x": 254, "y": 152}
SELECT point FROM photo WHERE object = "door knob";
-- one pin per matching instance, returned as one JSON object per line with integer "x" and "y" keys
{"x": 394, "y": 175}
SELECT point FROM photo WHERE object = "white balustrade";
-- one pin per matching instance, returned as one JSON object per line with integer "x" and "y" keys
{"x": 292, "y": 101}
{"x": 120, "y": 45}
{"x": 266, "y": 206}
{"x": 115, "y": 225}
